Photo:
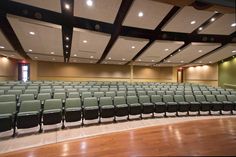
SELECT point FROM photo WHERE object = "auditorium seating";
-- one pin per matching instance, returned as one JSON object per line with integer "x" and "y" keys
{"x": 39, "y": 103}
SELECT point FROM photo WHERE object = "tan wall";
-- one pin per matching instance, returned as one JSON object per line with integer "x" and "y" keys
{"x": 8, "y": 69}
{"x": 207, "y": 74}
{"x": 87, "y": 72}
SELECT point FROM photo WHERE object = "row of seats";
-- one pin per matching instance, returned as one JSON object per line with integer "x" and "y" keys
{"x": 33, "y": 113}
{"x": 64, "y": 95}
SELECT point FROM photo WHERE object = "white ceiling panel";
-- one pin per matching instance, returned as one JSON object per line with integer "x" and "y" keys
{"x": 82, "y": 60}
{"x": 167, "y": 65}
{"x": 182, "y": 21}
{"x": 138, "y": 63}
{"x": 220, "y": 54}
{"x": 88, "y": 44}
{"x": 100, "y": 10}
{"x": 153, "y": 14}
{"x": 11, "y": 54}
{"x": 53, "y": 5}
{"x": 50, "y": 58}
{"x": 113, "y": 62}
{"x": 159, "y": 50}
{"x": 47, "y": 37}
{"x": 4, "y": 44}
{"x": 193, "y": 51}
{"x": 221, "y": 26}
{"x": 126, "y": 48}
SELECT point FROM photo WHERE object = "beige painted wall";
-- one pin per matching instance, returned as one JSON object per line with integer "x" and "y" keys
{"x": 87, "y": 72}
{"x": 8, "y": 69}
{"x": 207, "y": 74}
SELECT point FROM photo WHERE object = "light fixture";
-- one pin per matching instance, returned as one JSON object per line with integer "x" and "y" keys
{"x": 133, "y": 47}
{"x": 2, "y": 47}
{"x": 200, "y": 61}
{"x": 30, "y": 50}
{"x": 200, "y": 28}
{"x": 66, "y": 52}
{"x": 233, "y": 24}
{"x": 89, "y": 3}
{"x": 153, "y": 60}
{"x": 210, "y": 61}
{"x": 200, "y": 51}
{"x": 75, "y": 55}
{"x": 166, "y": 49}
{"x": 181, "y": 61}
{"x": 109, "y": 58}
{"x": 139, "y": 60}
{"x": 67, "y": 6}
{"x": 192, "y": 22}
{"x": 32, "y": 33}
{"x": 179, "y": 50}
{"x": 123, "y": 59}
{"x": 52, "y": 53}
{"x": 215, "y": 11}
{"x": 67, "y": 38}
{"x": 35, "y": 57}
{"x": 213, "y": 19}
{"x": 91, "y": 56}
{"x": 85, "y": 41}
{"x": 140, "y": 14}
{"x": 171, "y": 55}
{"x": 234, "y": 51}
{"x": 67, "y": 46}
{"x": 168, "y": 61}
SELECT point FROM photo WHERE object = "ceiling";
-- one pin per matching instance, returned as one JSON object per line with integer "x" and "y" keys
{"x": 123, "y": 32}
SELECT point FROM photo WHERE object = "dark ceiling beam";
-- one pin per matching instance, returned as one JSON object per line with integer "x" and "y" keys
{"x": 9, "y": 33}
{"x": 67, "y": 28}
{"x": 156, "y": 32}
{"x": 123, "y": 10}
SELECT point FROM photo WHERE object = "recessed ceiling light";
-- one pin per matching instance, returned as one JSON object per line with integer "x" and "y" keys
{"x": 153, "y": 60}
{"x": 199, "y": 50}
{"x": 53, "y": 59}
{"x": 171, "y": 55}
{"x": 12, "y": 55}
{"x": 66, "y": 52}
{"x": 215, "y": 11}
{"x": 213, "y": 19}
{"x": 140, "y": 14}
{"x": 234, "y": 51}
{"x": 133, "y": 47}
{"x": 109, "y": 58}
{"x": 35, "y": 57}
{"x": 91, "y": 56}
{"x": 166, "y": 49}
{"x": 123, "y": 59}
{"x": 169, "y": 61}
{"x": 192, "y": 22}
{"x": 89, "y": 3}
{"x": 200, "y": 61}
{"x": 181, "y": 61}
{"x": 52, "y": 53}
{"x": 32, "y": 33}
{"x": 85, "y": 41}
{"x": 210, "y": 61}
{"x": 30, "y": 50}
{"x": 233, "y": 24}
{"x": 2, "y": 47}
{"x": 67, "y": 46}
{"x": 75, "y": 55}
{"x": 179, "y": 50}
{"x": 67, "y": 6}
{"x": 67, "y": 38}
{"x": 139, "y": 60}
{"x": 200, "y": 28}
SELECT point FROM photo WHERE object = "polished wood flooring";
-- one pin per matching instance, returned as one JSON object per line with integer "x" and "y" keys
{"x": 202, "y": 137}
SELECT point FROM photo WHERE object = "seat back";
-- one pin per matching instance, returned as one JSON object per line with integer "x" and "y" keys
{"x": 215, "y": 92}
{"x": 7, "y": 107}
{"x": 44, "y": 96}
{"x": 224, "y": 92}
{"x": 121, "y": 93}
{"x": 110, "y": 94}
{"x": 46, "y": 90}
{"x": 188, "y": 92}
{"x": 206, "y": 92}
{"x": 179, "y": 98}
{"x": 51, "y": 104}
{"x": 161, "y": 93}
{"x": 190, "y": 98}
{"x": 30, "y": 105}
{"x": 132, "y": 99}
{"x": 168, "y": 98}
{"x": 131, "y": 93}
{"x": 86, "y": 95}
{"x": 59, "y": 90}
{"x": 151, "y": 93}
{"x": 2, "y": 92}
{"x": 119, "y": 100}
{"x": 156, "y": 98}
{"x": 98, "y": 94}
{"x": 24, "y": 97}
{"x": 73, "y": 103}
{"x": 200, "y": 98}
{"x": 210, "y": 98}
{"x": 31, "y": 91}
{"x": 231, "y": 98}
{"x": 90, "y": 101}
{"x": 221, "y": 98}
{"x": 170, "y": 92}
{"x": 14, "y": 91}
{"x": 59, "y": 96}
{"x": 144, "y": 99}
{"x": 141, "y": 93}
{"x": 106, "y": 101}
{"x": 197, "y": 92}
{"x": 73, "y": 95}
{"x": 179, "y": 93}
{"x": 7, "y": 97}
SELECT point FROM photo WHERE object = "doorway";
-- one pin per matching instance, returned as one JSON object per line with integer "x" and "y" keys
{"x": 180, "y": 75}
{"x": 23, "y": 72}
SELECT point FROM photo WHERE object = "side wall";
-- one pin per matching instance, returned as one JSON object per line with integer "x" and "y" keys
{"x": 227, "y": 74}
{"x": 207, "y": 74}
{"x": 8, "y": 69}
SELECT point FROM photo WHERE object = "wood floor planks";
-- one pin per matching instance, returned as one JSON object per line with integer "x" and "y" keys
{"x": 203, "y": 137}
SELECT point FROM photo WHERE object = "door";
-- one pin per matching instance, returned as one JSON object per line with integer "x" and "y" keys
{"x": 23, "y": 72}
{"x": 180, "y": 75}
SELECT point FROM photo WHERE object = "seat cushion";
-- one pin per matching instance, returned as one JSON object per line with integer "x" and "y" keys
{"x": 135, "y": 104}
{"x": 91, "y": 108}
{"x": 147, "y": 104}
{"x": 73, "y": 109}
{"x": 51, "y": 111}
{"x": 172, "y": 103}
{"x": 107, "y": 107}
{"x": 121, "y": 105}
{"x": 27, "y": 113}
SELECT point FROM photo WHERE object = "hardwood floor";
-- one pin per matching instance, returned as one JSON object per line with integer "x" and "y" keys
{"x": 203, "y": 137}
